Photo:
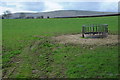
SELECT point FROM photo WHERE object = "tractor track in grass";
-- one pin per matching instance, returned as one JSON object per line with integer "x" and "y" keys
{"x": 25, "y": 65}
{"x": 46, "y": 59}
{"x": 29, "y": 64}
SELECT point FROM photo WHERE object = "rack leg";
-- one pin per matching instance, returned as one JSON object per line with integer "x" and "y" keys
{"x": 83, "y": 35}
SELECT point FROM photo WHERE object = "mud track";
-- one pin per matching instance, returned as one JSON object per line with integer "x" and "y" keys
{"x": 77, "y": 39}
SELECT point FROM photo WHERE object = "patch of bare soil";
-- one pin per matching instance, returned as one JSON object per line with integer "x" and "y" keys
{"x": 77, "y": 39}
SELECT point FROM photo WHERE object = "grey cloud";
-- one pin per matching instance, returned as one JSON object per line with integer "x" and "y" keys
{"x": 94, "y": 6}
{"x": 81, "y": 5}
{"x": 40, "y": 6}
{"x": 33, "y": 6}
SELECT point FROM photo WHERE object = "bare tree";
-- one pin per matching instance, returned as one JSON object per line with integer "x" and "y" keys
{"x": 6, "y": 14}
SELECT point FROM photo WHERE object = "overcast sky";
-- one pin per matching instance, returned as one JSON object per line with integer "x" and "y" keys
{"x": 43, "y": 6}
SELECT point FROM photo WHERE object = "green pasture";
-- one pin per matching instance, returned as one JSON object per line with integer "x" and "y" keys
{"x": 72, "y": 61}
{"x": 17, "y": 31}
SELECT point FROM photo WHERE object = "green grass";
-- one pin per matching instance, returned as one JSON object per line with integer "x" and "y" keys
{"x": 72, "y": 61}
{"x": 17, "y": 32}
{"x": 56, "y": 60}
{"x": 94, "y": 63}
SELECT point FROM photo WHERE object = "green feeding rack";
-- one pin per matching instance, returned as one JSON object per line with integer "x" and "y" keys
{"x": 95, "y": 30}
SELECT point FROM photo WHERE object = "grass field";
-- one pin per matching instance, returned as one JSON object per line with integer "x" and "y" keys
{"x": 25, "y": 55}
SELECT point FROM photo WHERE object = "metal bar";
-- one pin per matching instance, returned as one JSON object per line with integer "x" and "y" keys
{"x": 93, "y": 27}
{"x": 83, "y": 30}
{"x": 96, "y": 28}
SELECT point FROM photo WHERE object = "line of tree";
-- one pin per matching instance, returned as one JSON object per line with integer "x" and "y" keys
{"x": 6, "y": 14}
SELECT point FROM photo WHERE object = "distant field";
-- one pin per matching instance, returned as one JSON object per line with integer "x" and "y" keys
{"x": 19, "y": 34}
{"x": 16, "y": 30}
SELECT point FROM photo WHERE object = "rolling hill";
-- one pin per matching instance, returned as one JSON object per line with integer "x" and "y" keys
{"x": 59, "y": 13}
